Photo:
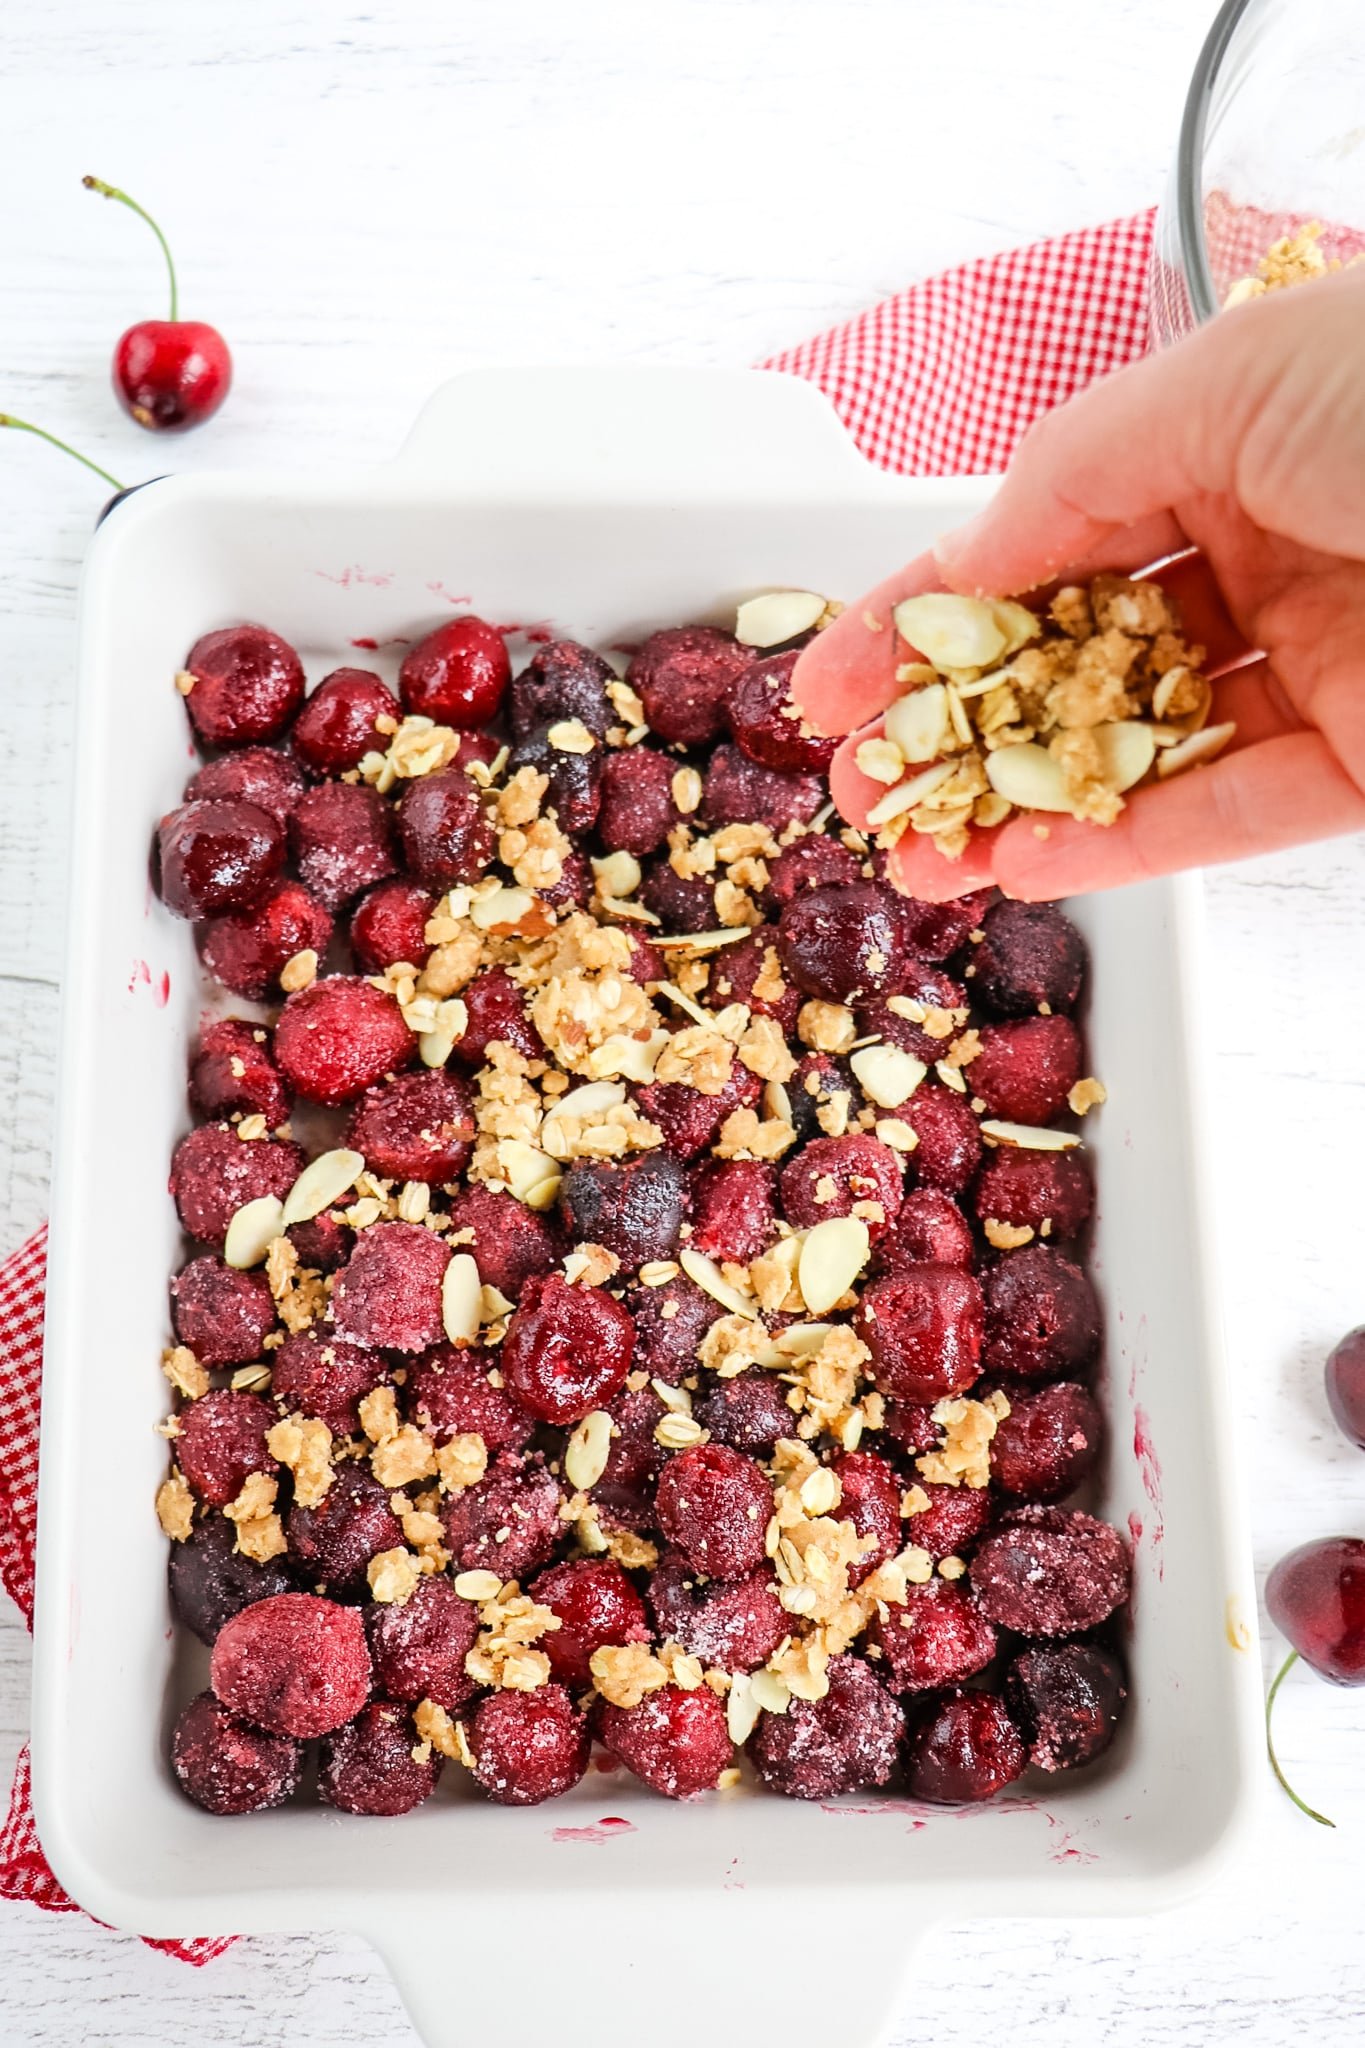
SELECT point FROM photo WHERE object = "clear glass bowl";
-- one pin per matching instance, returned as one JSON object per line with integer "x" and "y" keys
{"x": 1273, "y": 137}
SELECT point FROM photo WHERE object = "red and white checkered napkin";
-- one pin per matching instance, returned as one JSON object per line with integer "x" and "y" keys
{"x": 939, "y": 381}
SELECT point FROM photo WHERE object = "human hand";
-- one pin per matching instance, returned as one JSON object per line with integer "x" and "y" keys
{"x": 1245, "y": 442}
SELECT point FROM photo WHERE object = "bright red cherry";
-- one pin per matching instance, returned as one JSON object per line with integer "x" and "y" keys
{"x": 1316, "y": 1597}
{"x": 169, "y": 375}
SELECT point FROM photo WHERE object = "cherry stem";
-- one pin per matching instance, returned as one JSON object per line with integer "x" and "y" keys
{"x": 1290, "y": 1661}
{"x": 112, "y": 192}
{"x": 7, "y": 419}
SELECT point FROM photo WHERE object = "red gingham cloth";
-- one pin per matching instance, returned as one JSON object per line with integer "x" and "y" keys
{"x": 940, "y": 380}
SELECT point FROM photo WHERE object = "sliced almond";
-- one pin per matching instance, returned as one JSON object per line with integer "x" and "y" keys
{"x": 777, "y": 616}
{"x": 478, "y": 1586}
{"x": 461, "y": 1299}
{"x": 832, "y": 1257}
{"x": 686, "y": 790}
{"x": 526, "y": 1170}
{"x": 708, "y": 1276}
{"x": 957, "y": 717}
{"x": 907, "y": 794}
{"x": 1018, "y": 624}
{"x": 543, "y": 1195}
{"x": 1028, "y": 776}
{"x": 502, "y": 909}
{"x": 888, "y": 1075}
{"x": 700, "y": 942}
{"x": 1029, "y": 1137}
{"x": 323, "y": 1182}
{"x": 741, "y": 1709}
{"x": 592, "y": 1101}
{"x": 618, "y": 875}
{"x": 1127, "y": 750}
{"x": 880, "y": 760}
{"x": 777, "y": 1102}
{"x": 1200, "y": 746}
{"x": 571, "y": 736}
{"x": 633, "y": 1058}
{"x": 770, "y": 1692}
{"x": 252, "y": 1231}
{"x": 587, "y": 1451}
{"x": 450, "y": 1026}
{"x": 920, "y": 724}
{"x": 951, "y": 631}
{"x": 685, "y": 1002}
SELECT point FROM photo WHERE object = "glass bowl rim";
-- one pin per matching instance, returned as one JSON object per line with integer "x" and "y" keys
{"x": 1190, "y": 156}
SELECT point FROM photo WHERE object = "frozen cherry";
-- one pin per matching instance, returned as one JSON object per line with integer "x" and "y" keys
{"x": 930, "y": 1229}
{"x": 563, "y": 680}
{"x": 949, "y": 1149}
{"x": 446, "y": 834}
{"x": 341, "y": 837}
{"x": 370, "y": 1765}
{"x": 732, "y": 1209}
{"x": 1345, "y": 1380}
{"x": 296, "y": 1665}
{"x": 749, "y": 1413}
{"x": 683, "y": 676}
{"x": 596, "y": 1604}
{"x": 836, "y": 1176}
{"x": 714, "y": 1505}
{"x": 529, "y": 1746}
{"x": 937, "y": 1638}
{"x": 911, "y": 1424}
{"x": 885, "y": 1017}
{"x": 248, "y": 949}
{"x": 1042, "y": 1318}
{"x": 634, "y": 1208}
{"x": 688, "y": 1119}
{"x": 217, "y": 856}
{"x": 1067, "y": 1698}
{"x": 1316, "y": 1597}
{"x": 956, "y": 1516}
{"x": 336, "y": 727}
{"x": 214, "y": 1172}
{"x": 685, "y": 903}
{"x": 169, "y": 375}
{"x": 322, "y": 1376}
{"x": 1047, "y": 1443}
{"x": 820, "y": 1082}
{"x": 733, "y": 1625}
{"x": 871, "y": 1500}
{"x": 1051, "y": 1572}
{"x": 923, "y": 1328}
{"x": 766, "y": 723}
{"x": 389, "y": 1291}
{"x": 340, "y": 1036}
{"x": 248, "y": 684}
{"x": 226, "y": 1766}
{"x": 1029, "y": 1189}
{"x": 675, "y": 1742}
{"x": 638, "y": 810}
{"x": 210, "y": 1579}
{"x": 418, "y": 1647}
{"x": 935, "y": 930}
{"x": 252, "y": 775}
{"x": 751, "y": 973}
{"x": 415, "y": 1127}
{"x": 815, "y": 862}
{"x": 495, "y": 1008}
{"x": 1031, "y": 955}
{"x": 323, "y": 1243}
{"x": 966, "y": 1748}
{"x": 567, "y": 1349}
{"x": 738, "y": 791}
{"x": 233, "y": 1070}
{"x": 574, "y": 791}
{"x": 509, "y": 1523}
{"x": 389, "y": 925}
{"x": 1026, "y": 1068}
{"x": 841, "y": 943}
{"x": 510, "y": 1243}
{"x": 457, "y": 675}
{"x": 573, "y": 890}
{"x": 670, "y": 1322}
{"x": 819, "y": 1749}
{"x": 634, "y": 1460}
{"x": 223, "y": 1315}
{"x": 449, "y": 1393}
{"x": 334, "y": 1542}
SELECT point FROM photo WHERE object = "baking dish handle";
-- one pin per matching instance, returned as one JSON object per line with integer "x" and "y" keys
{"x": 652, "y": 431}
{"x": 664, "y": 1970}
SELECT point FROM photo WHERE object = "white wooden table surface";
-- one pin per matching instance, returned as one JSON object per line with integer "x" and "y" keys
{"x": 368, "y": 197}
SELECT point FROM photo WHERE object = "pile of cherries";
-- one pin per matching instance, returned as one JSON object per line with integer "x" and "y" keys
{"x": 274, "y": 854}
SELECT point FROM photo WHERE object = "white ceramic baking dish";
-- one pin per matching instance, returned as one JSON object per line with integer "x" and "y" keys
{"x": 610, "y": 503}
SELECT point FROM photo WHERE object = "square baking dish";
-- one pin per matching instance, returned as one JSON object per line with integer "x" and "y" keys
{"x": 610, "y": 503}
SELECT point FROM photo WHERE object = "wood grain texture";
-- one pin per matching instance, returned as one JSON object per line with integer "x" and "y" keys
{"x": 368, "y": 199}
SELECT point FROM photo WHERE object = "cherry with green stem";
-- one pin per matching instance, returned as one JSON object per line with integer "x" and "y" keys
{"x": 1316, "y": 1597}
{"x": 169, "y": 375}
{"x": 1276, "y": 1682}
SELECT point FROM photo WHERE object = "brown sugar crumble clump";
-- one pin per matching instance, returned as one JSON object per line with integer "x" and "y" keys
{"x": 678, "y": 1339}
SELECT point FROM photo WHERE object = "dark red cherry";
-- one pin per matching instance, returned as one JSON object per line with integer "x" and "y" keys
{"x": 169, "y": 375}
{"x": 1345, "y": 1377}
{"x": 1316, "y": 1597}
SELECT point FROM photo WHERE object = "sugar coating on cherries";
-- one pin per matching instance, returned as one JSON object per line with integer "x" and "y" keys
{"x": 505, "y": 1421}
